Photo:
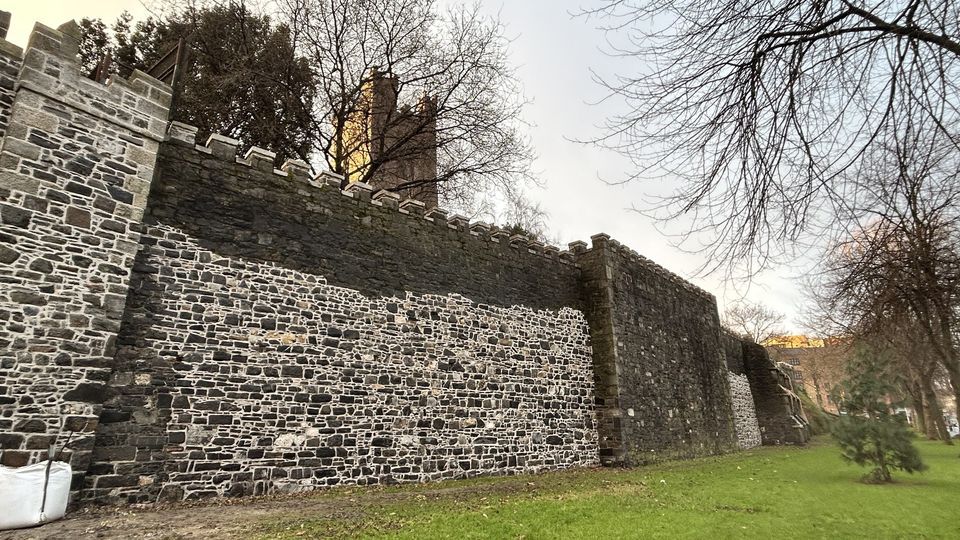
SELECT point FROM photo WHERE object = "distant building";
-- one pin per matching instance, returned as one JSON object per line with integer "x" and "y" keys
{"x": 399, "y": 145}
{"x": 794, "y": 342}
{"x": 817, "y": 365}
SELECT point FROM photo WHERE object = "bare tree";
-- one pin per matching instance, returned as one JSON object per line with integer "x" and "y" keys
{"x": 402, "y": 79}
{"x": 755, "y": 322}
{"x": 915, "y": 368}
{"x": 897, "y": 277}
{"x": 762, "y": 108}
{"x": 824, "y": 367}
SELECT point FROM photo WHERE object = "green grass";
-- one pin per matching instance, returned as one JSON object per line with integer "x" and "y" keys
{"x": 765, "y": 493}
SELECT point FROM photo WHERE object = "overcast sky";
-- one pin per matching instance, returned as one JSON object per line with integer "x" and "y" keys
{"x": 554, "y": 53}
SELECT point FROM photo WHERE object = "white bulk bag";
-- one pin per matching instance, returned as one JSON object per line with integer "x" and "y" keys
{"x": 22, "y": 501}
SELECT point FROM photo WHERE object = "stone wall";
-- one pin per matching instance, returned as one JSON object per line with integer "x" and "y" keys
{"x": 77, "y": 159}
{"x": 209, "y": 325}
{"x": 779, "y": 412}
{"x": 663, "y": 384}
{"x": 732, "y": 352}
{"x": 245, "y": 377}
{"x": 283, "y": 334}
{"x": 11, "y": 57}
{"x": 744, "y": 414}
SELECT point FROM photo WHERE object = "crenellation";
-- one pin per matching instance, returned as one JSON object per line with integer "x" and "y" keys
{"x": 222, "y": 146}
{"x": 577, "y": 247}
{"x": 437, "y": 214}
{"x": 329, "y": 178}
{"x": 298, "y": 170}
{"x": 260, "y": 159}
{"x": 413, "y": 207}
{"x": 359, "y": 190}
{"x": 599, "y": 240}
{"x": 458, "y": 222}
{"x": 480, "y": 228}
{"x": 387, "y": 198}
{"x": 500, "y": 236}
{"x": 180, "y": 133}
{"x": 519, "y": 240}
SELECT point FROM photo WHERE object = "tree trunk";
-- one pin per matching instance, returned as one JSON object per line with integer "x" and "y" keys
{"x": 816, "y": 390}
{"x": 954, "y": 376}
{"x": 883, "y": 472}
{"x": 951, "y": 357}
{"x": 919, "y": 412}
{"x": 937, "y": 428}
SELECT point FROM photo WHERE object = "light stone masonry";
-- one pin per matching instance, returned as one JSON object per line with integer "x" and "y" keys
{"x": 283, "y": 382}
{"x": 744, "y": 415}
{"x": 76, "y": 161}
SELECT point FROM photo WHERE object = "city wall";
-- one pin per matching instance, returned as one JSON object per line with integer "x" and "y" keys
{"x": 202, "y": 324}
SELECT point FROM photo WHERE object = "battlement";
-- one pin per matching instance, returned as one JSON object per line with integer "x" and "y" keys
{"x": 603, "y": 241}
{"x": 228, "y": 149}
{"x": 50, "y": 68}
{"x": 56, "y": 106}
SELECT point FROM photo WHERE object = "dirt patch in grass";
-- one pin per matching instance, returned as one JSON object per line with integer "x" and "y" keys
{"x": 779, "y": 492}
{"x": 343, "y": 509}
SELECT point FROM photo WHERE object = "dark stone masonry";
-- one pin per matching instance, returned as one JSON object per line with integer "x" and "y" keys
{"x": 202, "y": 325}
{"x": 376, "y": 245}
{"x": 661, "y": 372}
{"x": 778, "y": 409}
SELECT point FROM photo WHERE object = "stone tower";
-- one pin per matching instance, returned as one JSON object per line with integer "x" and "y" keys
{"x": 407, "y": 135}
{"x": 76, "y": 162}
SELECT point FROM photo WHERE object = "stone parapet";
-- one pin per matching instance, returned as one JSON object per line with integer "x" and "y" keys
{"x": 227, "y": 149}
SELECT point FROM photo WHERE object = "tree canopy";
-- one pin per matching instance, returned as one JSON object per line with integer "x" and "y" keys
{"x": 760, "y": 110}
{"x": 243, "y": 78}
{"x": 752, "y": 321}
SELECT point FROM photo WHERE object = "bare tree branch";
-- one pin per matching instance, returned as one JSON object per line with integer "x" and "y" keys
{"x": 757, "y": 111}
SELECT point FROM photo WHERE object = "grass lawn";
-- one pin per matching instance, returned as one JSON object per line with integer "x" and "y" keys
{"x": 765, "y": 493}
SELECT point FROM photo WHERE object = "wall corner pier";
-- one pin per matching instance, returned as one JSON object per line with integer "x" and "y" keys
{"x": 661, "y": 380}
{"x": 76, "y": 163}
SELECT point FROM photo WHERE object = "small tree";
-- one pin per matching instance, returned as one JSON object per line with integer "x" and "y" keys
{"x": 755, "y": 322}
{"x": 871, "y": 434}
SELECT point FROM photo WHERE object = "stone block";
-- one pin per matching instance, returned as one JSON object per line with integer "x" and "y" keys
{"x": 260, "y": 159}
{"x": 180, "y": 133}
{"x": 359, "y": 190}
{"x": 223, "y": 147}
